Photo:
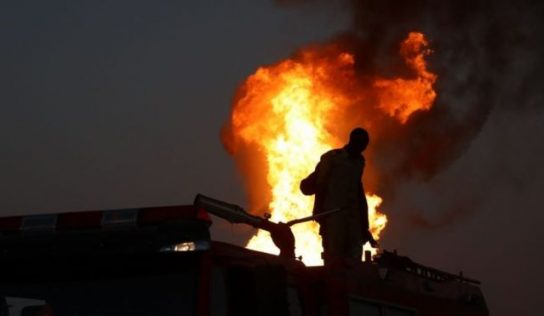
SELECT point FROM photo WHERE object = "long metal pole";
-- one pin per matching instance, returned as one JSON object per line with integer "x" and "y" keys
{"x": 313, "y": 217}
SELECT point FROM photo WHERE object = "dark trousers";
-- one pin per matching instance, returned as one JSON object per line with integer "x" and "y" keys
{"x": 342, "y": 235}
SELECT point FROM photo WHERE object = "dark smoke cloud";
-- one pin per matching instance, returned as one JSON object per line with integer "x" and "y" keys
{"x": 488, "y": 56}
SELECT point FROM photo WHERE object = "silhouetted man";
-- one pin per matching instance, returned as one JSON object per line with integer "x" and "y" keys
{"x": 336, "y": 183}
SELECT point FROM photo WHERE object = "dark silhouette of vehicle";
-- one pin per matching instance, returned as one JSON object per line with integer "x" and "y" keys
{"x": 161, "y": 261}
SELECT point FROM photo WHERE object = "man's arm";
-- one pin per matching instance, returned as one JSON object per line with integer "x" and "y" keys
{"x": 363, "y": 206}
{"x": 322, "y": 172}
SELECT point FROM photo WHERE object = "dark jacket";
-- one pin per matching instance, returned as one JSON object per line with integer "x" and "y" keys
{"x": 337, "y": 179}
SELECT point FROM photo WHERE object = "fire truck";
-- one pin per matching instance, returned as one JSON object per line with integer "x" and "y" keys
{"x": 161, "y": 261}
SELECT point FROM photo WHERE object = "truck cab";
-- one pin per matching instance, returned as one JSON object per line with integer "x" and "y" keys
{"x": 161, "y": 261}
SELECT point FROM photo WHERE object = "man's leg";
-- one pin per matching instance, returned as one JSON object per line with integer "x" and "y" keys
{"x": 334, "y": 248}
{"x": 333, "y": 233}
{"x": 355, "y": 236}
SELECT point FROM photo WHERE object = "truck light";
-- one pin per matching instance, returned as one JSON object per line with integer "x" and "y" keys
{"x": 187, "y": 246}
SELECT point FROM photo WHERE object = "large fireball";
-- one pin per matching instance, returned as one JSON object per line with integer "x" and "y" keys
{"x": 292, "y": 112}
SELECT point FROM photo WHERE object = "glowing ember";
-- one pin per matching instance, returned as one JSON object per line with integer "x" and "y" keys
{"x": 290, "y": 112}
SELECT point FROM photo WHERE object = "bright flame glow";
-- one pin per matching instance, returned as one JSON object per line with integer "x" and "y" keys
{"x": 402, "y": 97}
{"x": 289, "y": 111}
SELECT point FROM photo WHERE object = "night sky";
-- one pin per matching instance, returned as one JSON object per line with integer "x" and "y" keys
{"x": 112, "y": 104}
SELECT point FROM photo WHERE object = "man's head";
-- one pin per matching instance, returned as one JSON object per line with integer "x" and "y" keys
{"x": 358, "y": 140}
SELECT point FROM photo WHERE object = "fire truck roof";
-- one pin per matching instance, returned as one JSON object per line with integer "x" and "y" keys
{"x": 121, "y": 230}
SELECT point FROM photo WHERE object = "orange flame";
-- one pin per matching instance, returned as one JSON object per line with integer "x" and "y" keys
{"x": 402, "y": 97}
{"x": 290, "y": 112}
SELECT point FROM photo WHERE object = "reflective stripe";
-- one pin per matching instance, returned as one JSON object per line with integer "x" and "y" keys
{"x": 85, "y": 220}
{"x": 39, "y": 222}
{"x": 120, "y": 217}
